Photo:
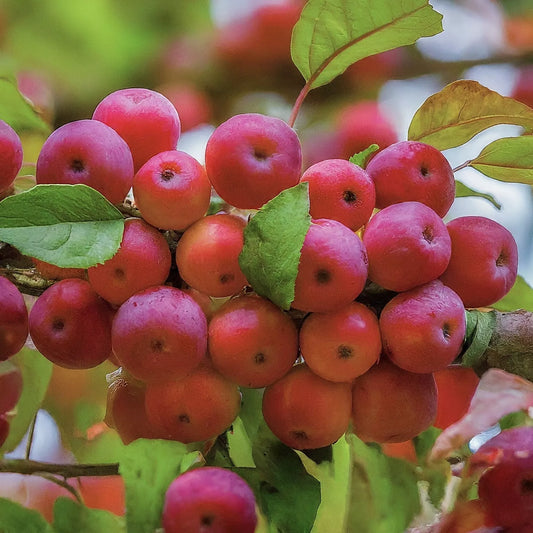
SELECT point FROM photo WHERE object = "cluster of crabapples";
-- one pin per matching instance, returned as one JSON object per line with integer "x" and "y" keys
{"x": 187, "y": 330}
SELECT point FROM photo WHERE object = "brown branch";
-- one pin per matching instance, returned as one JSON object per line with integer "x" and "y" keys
{"x": 28, "y": 467}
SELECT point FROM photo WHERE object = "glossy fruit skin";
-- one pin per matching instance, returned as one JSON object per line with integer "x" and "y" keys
{"x": 423, "y": 329}
{"x": 412, "y": 171}
{"x": 341, "y": 345}
{"x": 71, "y": 325}
{"x": 10, "y": 386}
{"x": 145, "y": 119}
{"x": 252, "y": 341}
{"x": 332, "y": 270}
{"x": 13, "y": 319}
{"x": 406, "y": 409}
{"x": 407, "y": 245}
{"x": 172, "y": 190}
{"x": 159, "y": 333}
{"x": 456, "y": 385}
{"x": 306, "y": 411}
{"x": 143, "y": 260}
{"x": 250, "y": 158}
{"x": 484, "y": 260}
{"x": 87, "y": 152}
{"x": 10, "y": 155}
{"x": 207, "y": 255}
{"x": 50, "y": 271}
{"x": 340, "y": 190}
{"x": 197, "y": 407}
{"x": 209, "y": 498}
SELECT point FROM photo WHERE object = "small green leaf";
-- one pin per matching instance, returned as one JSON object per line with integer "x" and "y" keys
{"x": 273, "y": 240}
{"x": 480, "y": 326}
{"x": 509, "y": 159}
{"x": 519, "y": 297}
{"x": 463, "y": 109}
{"x": 148, "y": 467}
{"x": 462, "y": 191}
{"x": 14, "y": 518}
{"x": 66, "y": 225}
{"x": 332, "y": 34}
{"x": 36, "y": 372}
{"x": 383, "y": 493}
{"x": 70, "y": 516}
{"x": 361, "y": 158}
{"x": 16, "y": 110}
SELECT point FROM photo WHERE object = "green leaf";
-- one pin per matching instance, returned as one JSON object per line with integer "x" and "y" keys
{"x": 462, "y": 191}
{"x": 383, "y": 493}
{"x": 509, "y": 159}
{"x": 70, "y": 516}
{"x": 480, "y": 326}
{"x": 332, "y": 34}
{"x": 16, "y": 110}
{"x": 361, "y": 158}
{"x": 148, "y": 467}
{"x": 66, "y": 225}
{"x": 463, "y": 109}
{"x": 36, "y": 372}
{"x": 519, "y": 297}
{"x": 273, "y": 240}
{"x": 14, "y": 518}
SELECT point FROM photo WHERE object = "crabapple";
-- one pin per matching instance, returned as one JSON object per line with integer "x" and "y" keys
{"x": 195, "y": 408}
{"x": 10, "y": 386}
{"x": 145, "y": 119}
{"x": 407, "y": 245}
{"x": 423, "y": 329}
{"x": 484, "y": 260}
{"x": 87, "y": 152}
{"x": 50, "y": 271}
{"x": 333, "y": 267}
{"x": 172, "y": 190}
{"x": 4, "y": 428}
{"x": 306, "y": 411}
{"x": 159, "y": 333}
{"x": 207, "y": 255}
{"x": 456, "y": 385}
{"x": 250, "y": 158}
{"x": 390, "y": 404}
{"x": 71, "y": 325}
{"x": 143, "y": 260}
{"x": 13, "y": 319}
{"x": 340, "y": 190}
{"x": 252, "y": 341}
{"x": 467, "y": 516}
{"x": 343, "y": 344}
{"x": 10, "y": 155}
{"x": 412, "y": 171}
{"x": 209, "y": 498}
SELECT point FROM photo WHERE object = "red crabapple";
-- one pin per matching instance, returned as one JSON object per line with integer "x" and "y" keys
{"x": 209, "y": 498}
{"x": 50, "y": 271}
{"x": 4, "y": 428}
{"x": 306, "y": 411}
{"x": 10, "y": 386}
{"x": 143, "y": 260}
{"x": 250, "y": 158}
{"x": 207, "y": 255}
{"x": 71, "y": 325}
{"x": 412, "y": 171}
{"x": 252, "y": 341}
{"x": 87, "y": 152}
{"x": 10, "y": 155}
{"x": 145, "y": 119}
{"x": 484, "y": 260}
{"x": 159, "y": 333}
{"x": 197, "y": 407}
{"x": 333, "y": 267}
{"x": 423, "y": 329}
{"x": 172, "y": 190}
{"x": 340, "y": 190}
{"x": 343, "y": 344}
{"x": 390, "y": 404}
{"x": 407, "y": 245}
{"x": 13, "y": 319}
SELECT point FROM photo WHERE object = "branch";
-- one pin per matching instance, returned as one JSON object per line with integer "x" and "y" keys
{"x": 28, "y": 467}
